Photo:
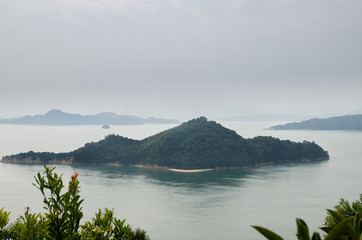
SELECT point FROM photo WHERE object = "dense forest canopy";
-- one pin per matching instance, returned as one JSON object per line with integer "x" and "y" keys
{"x": 196, "y": 144}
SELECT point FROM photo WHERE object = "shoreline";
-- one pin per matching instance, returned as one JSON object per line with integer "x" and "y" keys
{"x": 70, "y": 162}
{"x": 190, "y": 170}
{"x": 175, "y": 169}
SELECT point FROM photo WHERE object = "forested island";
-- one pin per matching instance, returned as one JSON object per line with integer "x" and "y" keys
{"x": 60, "y": 118}
{"x": 196, "y": 144}
{"x": 348, "y": 122}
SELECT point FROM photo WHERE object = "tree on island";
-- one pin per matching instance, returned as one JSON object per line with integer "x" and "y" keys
{"x": 196, "y": 144}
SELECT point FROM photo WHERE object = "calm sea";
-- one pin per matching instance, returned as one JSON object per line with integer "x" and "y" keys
{"x": 208, "y": 205}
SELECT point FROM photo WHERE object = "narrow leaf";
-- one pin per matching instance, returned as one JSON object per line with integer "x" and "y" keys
{"x": 267, "y": 233}
{"x": 316, "y": 236}
{"x": 337, "y": 232}
{"x": 303, "y": 231}
{"x": 336, "y": 215}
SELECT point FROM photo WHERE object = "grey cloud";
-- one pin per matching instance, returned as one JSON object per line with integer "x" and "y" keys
{"x": 194, "y": 56}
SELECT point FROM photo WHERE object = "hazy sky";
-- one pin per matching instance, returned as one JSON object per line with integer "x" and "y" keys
{"x": 181, "y": 58}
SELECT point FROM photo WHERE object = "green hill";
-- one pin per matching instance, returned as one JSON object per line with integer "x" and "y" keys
{"x": 198, "y": 144}
{"x": 348, "y": 122}
{"x": 195, "y": 144}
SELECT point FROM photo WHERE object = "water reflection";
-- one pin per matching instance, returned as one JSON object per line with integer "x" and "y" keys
{"x": 217, "y": 178}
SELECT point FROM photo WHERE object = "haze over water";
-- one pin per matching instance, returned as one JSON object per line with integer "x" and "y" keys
{"x": 207, "y": 205}
{"x": 180, "y": 59}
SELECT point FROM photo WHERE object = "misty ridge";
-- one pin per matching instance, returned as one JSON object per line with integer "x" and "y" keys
{"x": 347, "y": 122}
{"x": 60, "y": 118}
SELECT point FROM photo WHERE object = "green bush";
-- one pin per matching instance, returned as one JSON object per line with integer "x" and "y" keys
{"x": 345, "y": 223}
{"x": 345, "y": 209}
{"x": 4, "y": 221}
{"x": 61, "y": 221}
{"x": 30, "y": 226}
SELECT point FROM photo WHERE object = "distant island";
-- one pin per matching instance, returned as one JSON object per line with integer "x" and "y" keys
{"x": 348, "y": 122}
{"x": 106, "y": 126}
{"x": 59, "y": 118}
{"x": 263, "y": 117}
{"x": 196, "y": 144}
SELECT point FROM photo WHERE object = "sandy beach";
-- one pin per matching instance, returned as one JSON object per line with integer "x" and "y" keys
{"x": 175, "y": 169}
{"x": 189, "y": 171}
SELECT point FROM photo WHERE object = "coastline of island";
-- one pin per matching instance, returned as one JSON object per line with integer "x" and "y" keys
{"x": 190, "y": 170}
{"x": 336, "y": 123}
{"x": 195, "y": 146}
{"x": 174, "y": 169}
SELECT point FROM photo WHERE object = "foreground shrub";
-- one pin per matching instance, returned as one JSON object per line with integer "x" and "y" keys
{"x": 61, "y": 221}
{"x": 344, "y": 208}
{"x": 344, "y": 223}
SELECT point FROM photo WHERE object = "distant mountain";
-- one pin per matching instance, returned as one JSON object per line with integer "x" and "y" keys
{"x": 348, "y": 122}
{"x": 196, "y": 144}
{"x": 57, "y": 117}
{"x": 264, "y": 117}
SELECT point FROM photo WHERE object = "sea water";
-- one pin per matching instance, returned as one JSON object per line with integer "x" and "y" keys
{"x": 208, "y": 205}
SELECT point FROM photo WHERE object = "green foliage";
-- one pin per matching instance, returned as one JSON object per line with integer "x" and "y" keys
{"x": 112, "y": 149}
{"x": 30, "y": 226}
{"x": 105, "y": 226}
{"x": 276, "y": 150}
{"x": 349, "y": 228}
{"x": 302, "y": 232}
{"x": 139, "y": 234}
{"x": 4, "y": 221}
{"x": 63, "y": 209}
{"x": 196, "y": 144}
{"x": 61, "y": 220}
{"x": 267, "y": 233}
{"x": 343, "y": 224}
{"x": 345, "y": 209}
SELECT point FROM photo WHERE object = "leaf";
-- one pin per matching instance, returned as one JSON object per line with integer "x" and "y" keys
{"x": 357, "y": 224}
{"x": 325, "y": 229}
{"x": 303, "y": 231}
{"x": 336, "y": 215}
{"x": 337, "y": 232}
{"x": 316, "y": 236}
{"x": 267, "y": 233}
